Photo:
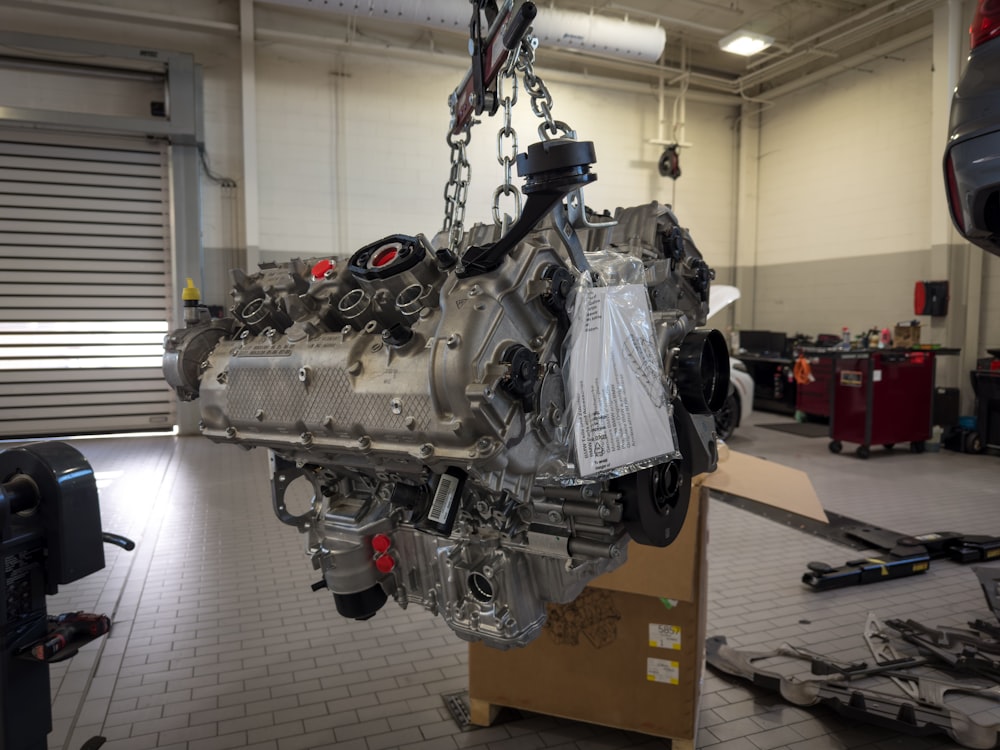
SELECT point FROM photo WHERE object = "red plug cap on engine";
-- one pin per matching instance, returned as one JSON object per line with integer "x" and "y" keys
{"x": 385, "y": 563}
{"x": 324, "y": 267}
{"x": 381, "y": 543}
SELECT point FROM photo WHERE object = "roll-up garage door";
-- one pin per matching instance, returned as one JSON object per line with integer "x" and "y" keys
{"x": 84, "y": 274}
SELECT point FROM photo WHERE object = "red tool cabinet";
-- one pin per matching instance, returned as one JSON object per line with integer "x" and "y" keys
{"x": 813, "y": 399}
{"x": 882, "y": 397}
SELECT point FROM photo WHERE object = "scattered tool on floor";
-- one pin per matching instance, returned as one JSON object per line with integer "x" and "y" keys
{"x": 949, "y": 682}
{"x": 900, "y": 556}
{"x": 67, "y": 633}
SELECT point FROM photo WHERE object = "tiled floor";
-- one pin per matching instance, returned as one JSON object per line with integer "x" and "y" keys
{"x": 219, "y": 642}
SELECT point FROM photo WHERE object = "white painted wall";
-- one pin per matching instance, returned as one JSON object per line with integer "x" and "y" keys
{"x": 351, "y": 147}
{"x": 843, "y": 226}
{"x": 354, "y": 140}
{"x": 843, "y": 164}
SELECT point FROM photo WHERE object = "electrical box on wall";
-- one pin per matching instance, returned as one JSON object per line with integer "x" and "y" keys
{"x": 930, "y": 298}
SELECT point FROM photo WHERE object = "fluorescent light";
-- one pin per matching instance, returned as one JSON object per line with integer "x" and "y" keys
{"x": 745, "y": 43}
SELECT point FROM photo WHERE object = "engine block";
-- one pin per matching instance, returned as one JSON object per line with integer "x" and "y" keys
{"x": 424, "y": 408}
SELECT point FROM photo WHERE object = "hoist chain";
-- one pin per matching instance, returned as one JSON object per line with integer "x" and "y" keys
{"x": 541, "y": 99}
{"x": 456, "y": 191}
{"x": 507, "y": 156}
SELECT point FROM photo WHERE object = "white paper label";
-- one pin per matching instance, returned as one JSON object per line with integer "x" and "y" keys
{"x": 665, "y": 636}
{"x": 615, "y": 381}
{"x": 662, "y": 670}
{"x": 877, "y": 376}
{"x": 443, "y": 498}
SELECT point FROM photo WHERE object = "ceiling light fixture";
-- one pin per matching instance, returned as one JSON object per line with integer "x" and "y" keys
{"x": 745, "y": 43}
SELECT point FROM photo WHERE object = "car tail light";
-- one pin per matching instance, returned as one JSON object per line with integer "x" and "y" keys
{"x": 954, "y": 198}
{"x": 985, "y": 24}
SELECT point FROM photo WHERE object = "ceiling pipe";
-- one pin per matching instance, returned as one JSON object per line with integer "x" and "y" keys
{"x": 853, "y": 25}
{"x": 843, "y": 39}
{"x": 127, "y": 15}
{"x": 587, "y": 32}
{"x": 298, "y": 39}
{"x": 725, "y": 88}
{"x": 852, "y": 62}
{"x": 670, "y": 21}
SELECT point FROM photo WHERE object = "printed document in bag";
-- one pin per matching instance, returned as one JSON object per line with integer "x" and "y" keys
{"x": 619, "y": 404}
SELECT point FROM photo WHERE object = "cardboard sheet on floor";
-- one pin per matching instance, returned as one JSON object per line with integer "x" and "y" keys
{"x": 766, "y": 482}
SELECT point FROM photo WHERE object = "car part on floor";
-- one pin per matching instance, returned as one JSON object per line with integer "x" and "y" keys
{"x": 50, "y": 535}
{"x": 989, "y": 581}
{"x": 884, "y": 652}
{"x": 963, "y": 651}
{"x": 854, "y": 691}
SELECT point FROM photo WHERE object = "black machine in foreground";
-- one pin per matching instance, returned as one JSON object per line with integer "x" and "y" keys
{"x": 50, "y": 534}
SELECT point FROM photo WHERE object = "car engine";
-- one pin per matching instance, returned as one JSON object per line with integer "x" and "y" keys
{"x": 435, "y": 401}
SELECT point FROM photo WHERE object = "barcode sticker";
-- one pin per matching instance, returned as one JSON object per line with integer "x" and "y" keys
{"x": 665, "y": 636}
{"x": 444, "y": 496}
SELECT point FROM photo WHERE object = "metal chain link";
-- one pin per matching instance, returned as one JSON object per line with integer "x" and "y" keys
{"x": 541, "y": 99}
{"x": 456, "y": 191}
{"x": 507, "y": 157}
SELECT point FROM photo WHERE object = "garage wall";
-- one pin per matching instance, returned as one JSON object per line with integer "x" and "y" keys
{"x": 843, "y": 227}
{"x": 359, "y": 141}
{"x": 219, "y": 57}
{"x": 351, "y": 147}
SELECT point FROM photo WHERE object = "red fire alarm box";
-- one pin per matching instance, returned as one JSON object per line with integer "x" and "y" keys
{"x": 930, "y": 298}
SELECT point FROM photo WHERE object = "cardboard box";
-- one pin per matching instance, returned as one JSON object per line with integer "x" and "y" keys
{"x": 629, "y": 652}
{"x": 905, "y": 336}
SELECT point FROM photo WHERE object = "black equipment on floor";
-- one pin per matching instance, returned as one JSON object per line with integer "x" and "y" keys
{"x": 986, "y": 386}
{"x": 50, "y": 534}
{"x": 901, "y": 556}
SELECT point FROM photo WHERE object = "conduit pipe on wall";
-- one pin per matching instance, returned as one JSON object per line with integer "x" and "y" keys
{"x": 458, "y": 63}
{"x": 612, "y": 37}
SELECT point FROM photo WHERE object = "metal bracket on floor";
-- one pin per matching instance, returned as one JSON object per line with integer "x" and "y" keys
{"x": 836, "y": 685}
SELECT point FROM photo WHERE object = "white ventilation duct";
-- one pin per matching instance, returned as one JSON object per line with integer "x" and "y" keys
{"x": 600, "y": 35}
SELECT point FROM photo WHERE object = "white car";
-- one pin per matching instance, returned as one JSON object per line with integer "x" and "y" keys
{"x": 739, "y": 403}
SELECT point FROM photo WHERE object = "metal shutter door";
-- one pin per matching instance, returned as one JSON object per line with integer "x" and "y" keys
{"x": 84, "y": 279}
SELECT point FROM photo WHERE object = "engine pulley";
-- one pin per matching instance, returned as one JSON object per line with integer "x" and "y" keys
{"x": 656, "y": 502}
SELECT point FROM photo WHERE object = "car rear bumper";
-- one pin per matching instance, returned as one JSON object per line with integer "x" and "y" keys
{"x": 972, "y": 158}
{"x": 972, "y": 170}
